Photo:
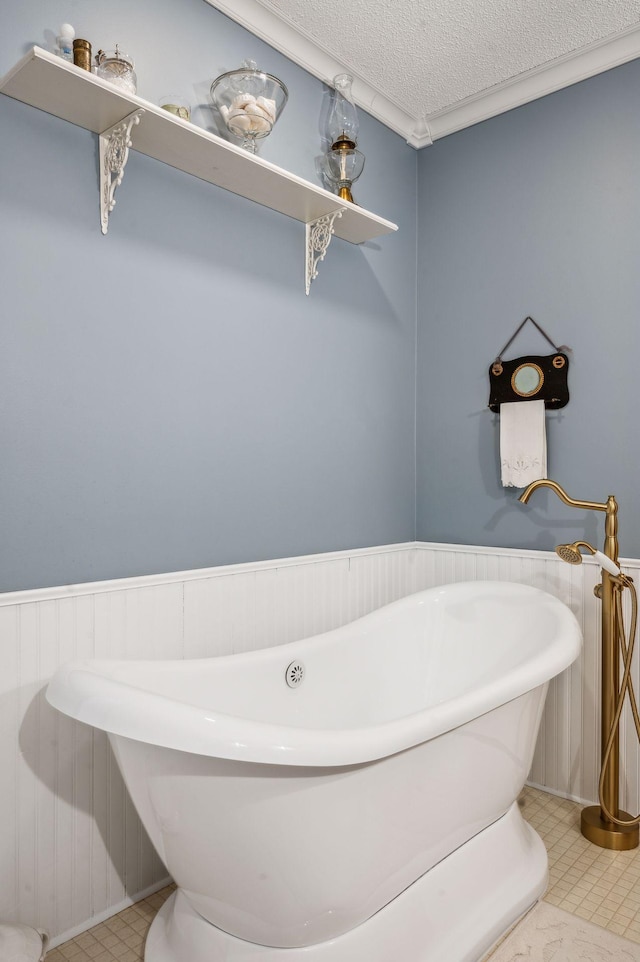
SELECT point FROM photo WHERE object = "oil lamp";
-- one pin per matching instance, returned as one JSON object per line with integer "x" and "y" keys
{"x": 343, "y": 163}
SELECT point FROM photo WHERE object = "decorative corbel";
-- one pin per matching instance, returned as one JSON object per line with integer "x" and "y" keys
{"x": 318, "y": 235}
{"x": 114, "y": 153}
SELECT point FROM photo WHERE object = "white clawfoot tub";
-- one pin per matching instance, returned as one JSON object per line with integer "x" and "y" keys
{"x": 367, "y": 814}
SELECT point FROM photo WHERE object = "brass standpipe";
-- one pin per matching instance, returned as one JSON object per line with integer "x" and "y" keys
{"x": 593, "y": 824}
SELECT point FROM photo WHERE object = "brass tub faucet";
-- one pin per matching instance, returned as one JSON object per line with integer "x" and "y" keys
{"x": 605, "y": 824}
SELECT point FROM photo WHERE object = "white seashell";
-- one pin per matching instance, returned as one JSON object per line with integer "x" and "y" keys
{"x": 224, "y": 110}
{"x": 241, "y": 122}
{"x": 236, "y": 112}
{"x": 241, "y": 100}
{"x": 259, "y": 124}
{"x": 269, "y": 106}
{"x": 256, "y": 111}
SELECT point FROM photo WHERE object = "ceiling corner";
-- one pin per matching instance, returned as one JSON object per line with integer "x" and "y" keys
{"x": 538, "y": 82}
{"x": 261, "y": 20}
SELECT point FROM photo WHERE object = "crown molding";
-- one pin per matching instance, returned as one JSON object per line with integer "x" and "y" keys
{"x": 420, "y": 132}
{"x": 297, "y": 46}
{"x": 538, "y": 82}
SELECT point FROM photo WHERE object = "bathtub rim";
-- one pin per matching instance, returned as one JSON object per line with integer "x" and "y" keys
{"x": 79, "y": 690}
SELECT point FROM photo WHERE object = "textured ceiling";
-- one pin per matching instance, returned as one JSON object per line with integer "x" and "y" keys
{"x": 429, "y": 54}
{"x": 429, "y": 67}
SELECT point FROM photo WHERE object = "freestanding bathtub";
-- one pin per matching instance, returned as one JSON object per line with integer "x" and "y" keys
{"x": 347, "y": 798}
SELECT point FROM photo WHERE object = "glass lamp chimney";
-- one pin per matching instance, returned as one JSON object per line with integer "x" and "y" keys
{"x": 342, "y": 122}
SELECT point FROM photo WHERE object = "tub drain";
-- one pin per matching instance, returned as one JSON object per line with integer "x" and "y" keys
{"x": 294, "y": 674}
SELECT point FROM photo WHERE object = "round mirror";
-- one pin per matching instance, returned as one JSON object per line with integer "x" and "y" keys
{"x": 527, "y": 380}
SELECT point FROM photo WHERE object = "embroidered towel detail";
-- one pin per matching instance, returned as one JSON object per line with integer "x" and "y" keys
{"x": 523, "y": 443}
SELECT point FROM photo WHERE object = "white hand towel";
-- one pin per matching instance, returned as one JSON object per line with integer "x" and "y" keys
{"x": 523, "y": 443}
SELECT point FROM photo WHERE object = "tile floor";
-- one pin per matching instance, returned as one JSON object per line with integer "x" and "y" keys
{"x": 590, "y": 882}
{"x": 119, "y": 939}
{"x": 584, "y": 879}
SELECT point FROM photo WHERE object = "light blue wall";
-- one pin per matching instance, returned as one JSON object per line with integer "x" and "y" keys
{"x": 535, "y": 212}
{"x": 169, "y": 398}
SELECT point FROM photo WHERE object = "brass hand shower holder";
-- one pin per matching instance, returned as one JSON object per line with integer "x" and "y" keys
{"x": 605, "y": 824}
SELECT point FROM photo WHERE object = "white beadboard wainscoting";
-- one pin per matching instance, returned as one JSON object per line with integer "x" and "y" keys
{"x": 72, "y": 850}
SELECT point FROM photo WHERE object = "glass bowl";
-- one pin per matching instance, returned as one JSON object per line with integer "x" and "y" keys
{"x": 175, "y": 104}
{"x": 249, "y": 101}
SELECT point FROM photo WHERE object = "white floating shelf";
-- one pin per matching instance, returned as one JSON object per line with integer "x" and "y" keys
{"x": 49, "y": 83}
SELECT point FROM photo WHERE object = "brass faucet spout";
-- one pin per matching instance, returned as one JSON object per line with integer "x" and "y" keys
{"x": 610, "y": 506}
{"x": 562, "y": 494}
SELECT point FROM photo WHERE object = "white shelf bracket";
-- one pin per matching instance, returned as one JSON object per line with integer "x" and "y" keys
{"x": 318, "y": 235}
{"x": 114, "y": 153}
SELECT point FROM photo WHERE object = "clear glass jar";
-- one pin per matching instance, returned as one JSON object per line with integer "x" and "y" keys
{"x": 117, "y": 68}
{"x": 249, "y": 101}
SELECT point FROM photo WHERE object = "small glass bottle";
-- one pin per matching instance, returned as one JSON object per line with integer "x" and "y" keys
{"x": 65, "y": 42}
